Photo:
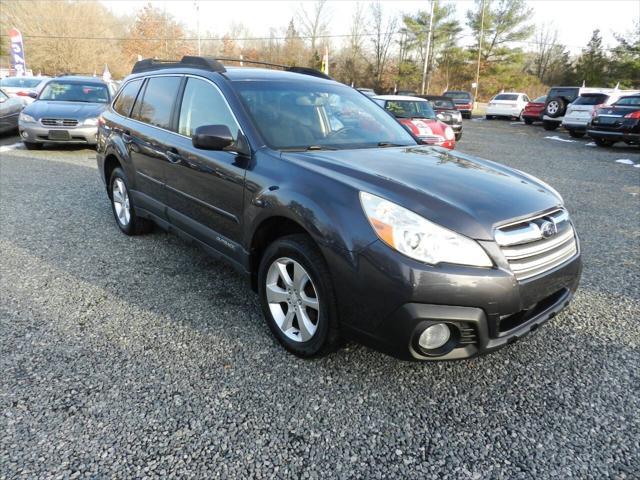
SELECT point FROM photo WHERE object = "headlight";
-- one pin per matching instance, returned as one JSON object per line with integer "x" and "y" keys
{"x": 448, "y": 133}
{"x": 26, "y": 118}
{"x": 417, "y": 237}
{"x": 91, "y": 121}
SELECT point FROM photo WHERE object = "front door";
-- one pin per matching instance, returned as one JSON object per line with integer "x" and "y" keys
{"x": 205, "y": 187}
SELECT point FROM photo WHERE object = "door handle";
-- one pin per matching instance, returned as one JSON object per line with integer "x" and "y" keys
{"x": 173, "y": 156}
{"x": 126, "y": 136}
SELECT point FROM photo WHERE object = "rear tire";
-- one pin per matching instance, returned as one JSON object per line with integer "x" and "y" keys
{"x": 550, "y": 125}
{"x": 528, "y": 120}
{"x": 32, "y": 145}
{"x": 576, "y": 133}
{"x": 601, "y": 142}
{"x": 293, "y": 276}
{"x": 122, "y": 206}
{"x": 489, "y": 117}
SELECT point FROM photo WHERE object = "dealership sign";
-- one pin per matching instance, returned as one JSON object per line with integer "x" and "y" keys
{"x": 17, "y": 52}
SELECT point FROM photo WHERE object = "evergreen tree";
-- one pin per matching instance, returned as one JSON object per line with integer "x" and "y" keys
{"x": 591, "y": 66}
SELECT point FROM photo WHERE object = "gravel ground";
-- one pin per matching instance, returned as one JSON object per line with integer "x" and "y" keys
{"x": 142, "y": 357}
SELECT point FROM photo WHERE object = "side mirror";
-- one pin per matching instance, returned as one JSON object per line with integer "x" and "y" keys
{"x": 3, "y": 99}
{"x": 33, "y": 95}
{"x": 212, "y": 137}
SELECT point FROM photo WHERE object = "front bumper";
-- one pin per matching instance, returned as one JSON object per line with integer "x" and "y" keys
{"x": 397, "y": 298}
{"x": 36, "y": 133}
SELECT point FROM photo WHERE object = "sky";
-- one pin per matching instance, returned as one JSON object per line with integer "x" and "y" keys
{"x": 574, "y": 19}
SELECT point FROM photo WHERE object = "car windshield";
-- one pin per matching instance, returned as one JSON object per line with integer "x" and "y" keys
{"x": 61, "y": 91}
{"x": 541, "y": 99}
{"x": 506, "y": 96}
{"x": 458, "y": 95}
{"x": 3, "y": 95}
{"x": 633, "y": 101}
{"x": 443, "y": 103}
{"x": 315, "y": 116}
{"x": 410, "y": 109}
{"x": 20, "y": 82}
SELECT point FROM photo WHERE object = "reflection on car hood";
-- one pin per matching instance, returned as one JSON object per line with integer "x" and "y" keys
{"x": 77, "y": 110}
{"x": 465, "y": 194}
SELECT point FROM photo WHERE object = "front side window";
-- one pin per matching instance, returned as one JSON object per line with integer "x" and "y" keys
{"x": 303, "y": 114}
{"x": 127, "y": 97}
{"x": 157, "y": 102}
{"x": 410, "y": 109}
{"x": 203, "y": 104}
{"x": 73, "y": 91}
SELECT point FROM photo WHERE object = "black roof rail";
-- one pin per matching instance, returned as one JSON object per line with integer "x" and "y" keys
{"x": 204, "y": 63}
{"x": 215, "y": 65}
{"x": 303, "y": 70}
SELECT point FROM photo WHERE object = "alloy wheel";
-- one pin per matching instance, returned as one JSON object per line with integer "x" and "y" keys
{"x": 121, "y": 202}
{"x": 552, "y": 107}
{"x": 293, "y": 299}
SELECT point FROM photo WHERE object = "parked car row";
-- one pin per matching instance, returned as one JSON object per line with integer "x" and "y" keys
{"x": 605, "y": 114}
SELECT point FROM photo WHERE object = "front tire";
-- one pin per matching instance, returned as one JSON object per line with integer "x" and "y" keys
{"x": 123, "y": 208}
{"x": 528, "y": 120}
{"x": 489, "y": 117}
{"x": 297, "y": 298}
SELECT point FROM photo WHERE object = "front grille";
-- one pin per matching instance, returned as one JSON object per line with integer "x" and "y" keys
{"x": 59, "y": 122}
{"x": 539, "y": 244}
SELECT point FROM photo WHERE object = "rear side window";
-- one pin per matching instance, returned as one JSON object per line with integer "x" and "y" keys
{"x": 203, "y": 104}
{"x": 633, "y": 101}
{"x": 590, "y": 99}
{"x": 506, "y": 96}
{"x": 127, "y": 97}
{"x": 157, "y": 103}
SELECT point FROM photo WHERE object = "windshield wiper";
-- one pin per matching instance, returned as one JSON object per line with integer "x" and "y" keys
{"x": 308, "y": 148}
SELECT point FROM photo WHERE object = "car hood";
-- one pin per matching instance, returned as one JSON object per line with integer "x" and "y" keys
{"x": 466, "y": 194}
{"x": 76, "y": 110}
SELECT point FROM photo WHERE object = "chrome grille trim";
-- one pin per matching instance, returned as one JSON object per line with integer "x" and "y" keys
{"x": 53, "y": 122}
{"x": 528, "y": 252}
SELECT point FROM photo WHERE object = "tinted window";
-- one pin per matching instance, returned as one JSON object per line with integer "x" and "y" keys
{"x": 442, "y": 103}
{"x": 63, "y": 91}
{"x": 634, "y": 101}
{"x": 203, "y": 104}
{"x": 127, "y": 97}
{"x": 505, "y": 96}
{"x": 458, "y": 95}
{"x": 590, "y": 99}
{"x": 570, "y": 93}
{"x": 157, "y": 103}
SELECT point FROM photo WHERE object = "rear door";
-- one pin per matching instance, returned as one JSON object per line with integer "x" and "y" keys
{"x": 205, "y": 187}
{"x": 149, "y": 138}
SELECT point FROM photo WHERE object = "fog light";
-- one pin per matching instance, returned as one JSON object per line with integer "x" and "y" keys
{"x": 434, "y": 336}
{"x": 25, "y": 134}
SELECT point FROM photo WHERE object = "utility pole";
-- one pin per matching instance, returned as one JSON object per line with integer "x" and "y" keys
{"x": 197, "y": 5}
{"x": 428, "y": 48}
{"x": 475, "y": 97}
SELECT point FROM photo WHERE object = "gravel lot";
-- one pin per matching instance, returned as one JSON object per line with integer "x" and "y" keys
{"x": 142, "y": 357}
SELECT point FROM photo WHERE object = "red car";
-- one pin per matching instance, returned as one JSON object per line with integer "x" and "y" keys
{"x": 417, "y": 114}
{"x": 533, "y": 110}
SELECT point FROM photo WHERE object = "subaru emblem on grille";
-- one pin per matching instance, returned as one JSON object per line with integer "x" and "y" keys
{"x": 548, "y": 229}
{"x": 59, "y": 122}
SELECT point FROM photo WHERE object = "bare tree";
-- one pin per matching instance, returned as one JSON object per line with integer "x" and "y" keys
{"x": 384, "y": 30}
{"x": 547, "y": 50}
{"x": 313, "y": 22}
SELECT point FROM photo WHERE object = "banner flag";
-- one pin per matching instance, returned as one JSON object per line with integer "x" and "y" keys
{"x": 17, "y": 52}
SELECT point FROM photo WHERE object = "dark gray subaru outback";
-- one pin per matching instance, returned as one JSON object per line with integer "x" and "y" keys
{"x": 341, "y": 221}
